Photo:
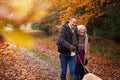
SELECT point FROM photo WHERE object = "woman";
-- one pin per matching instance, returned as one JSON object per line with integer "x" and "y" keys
{"x": 82, "y": 52}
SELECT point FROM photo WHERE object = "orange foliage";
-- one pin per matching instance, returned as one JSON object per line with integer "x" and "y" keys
{"x": 72, "y": 8}
{"x": 7, "y": 48}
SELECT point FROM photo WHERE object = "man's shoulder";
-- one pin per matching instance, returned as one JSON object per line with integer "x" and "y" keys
{"x": 65, "y": 24}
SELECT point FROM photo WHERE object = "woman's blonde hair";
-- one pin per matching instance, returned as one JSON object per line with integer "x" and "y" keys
{"x": 79, "y": 27}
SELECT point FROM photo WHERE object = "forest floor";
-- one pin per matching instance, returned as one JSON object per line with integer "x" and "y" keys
{"x": 43, "y": 63}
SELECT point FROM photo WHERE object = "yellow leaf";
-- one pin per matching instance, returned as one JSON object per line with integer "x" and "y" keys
{"x": 17, "y": 52}
{"x": 20, "y": 38}
{"x": 109, "y": 79}
{"x": 1, "y": 55}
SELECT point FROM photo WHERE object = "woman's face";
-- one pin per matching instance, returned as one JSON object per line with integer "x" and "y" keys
{"x": 82, "y": 31}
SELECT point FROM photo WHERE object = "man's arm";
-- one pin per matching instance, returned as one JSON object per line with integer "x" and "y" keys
{"x": 61, "y": 37}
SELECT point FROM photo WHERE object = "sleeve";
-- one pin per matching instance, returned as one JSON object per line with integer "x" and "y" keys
{"x": 89, "y": 39}
{"x": 61, "y": 38}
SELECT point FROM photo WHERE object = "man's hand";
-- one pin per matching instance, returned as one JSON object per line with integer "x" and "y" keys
{"x": 72, "y": 48}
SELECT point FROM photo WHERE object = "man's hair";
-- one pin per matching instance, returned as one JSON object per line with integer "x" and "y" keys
{"x": 72, "y": 18}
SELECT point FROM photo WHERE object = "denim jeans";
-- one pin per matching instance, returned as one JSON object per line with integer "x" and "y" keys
{"x": 67, "y": 60}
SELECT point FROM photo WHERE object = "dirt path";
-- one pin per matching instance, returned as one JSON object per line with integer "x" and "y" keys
{"x": 20, "y": 64}
{"x": 47, "y": 68}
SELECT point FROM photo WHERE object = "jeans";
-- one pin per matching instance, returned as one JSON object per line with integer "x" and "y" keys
{"x": 67, "y": 60}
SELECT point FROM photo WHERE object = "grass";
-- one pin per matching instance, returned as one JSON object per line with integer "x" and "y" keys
{"x": 107, "y": 48}
{"x": 39, "y": 54}
{"x": 45, "y": 58}
{"x": 42, "y": 55}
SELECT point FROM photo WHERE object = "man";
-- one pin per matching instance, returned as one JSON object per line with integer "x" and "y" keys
{"x": 67, "y": 43}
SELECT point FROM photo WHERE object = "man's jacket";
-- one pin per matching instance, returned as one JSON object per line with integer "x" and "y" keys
{"x": 65, "y": 40}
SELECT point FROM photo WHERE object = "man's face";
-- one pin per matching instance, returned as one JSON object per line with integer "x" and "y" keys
{"x": 73, "y": 23}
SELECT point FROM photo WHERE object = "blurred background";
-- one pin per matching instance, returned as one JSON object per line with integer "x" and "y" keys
{"x": 44, "y": 18}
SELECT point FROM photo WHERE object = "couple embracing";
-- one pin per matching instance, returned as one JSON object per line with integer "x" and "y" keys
{"x": 73, "y": 48}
